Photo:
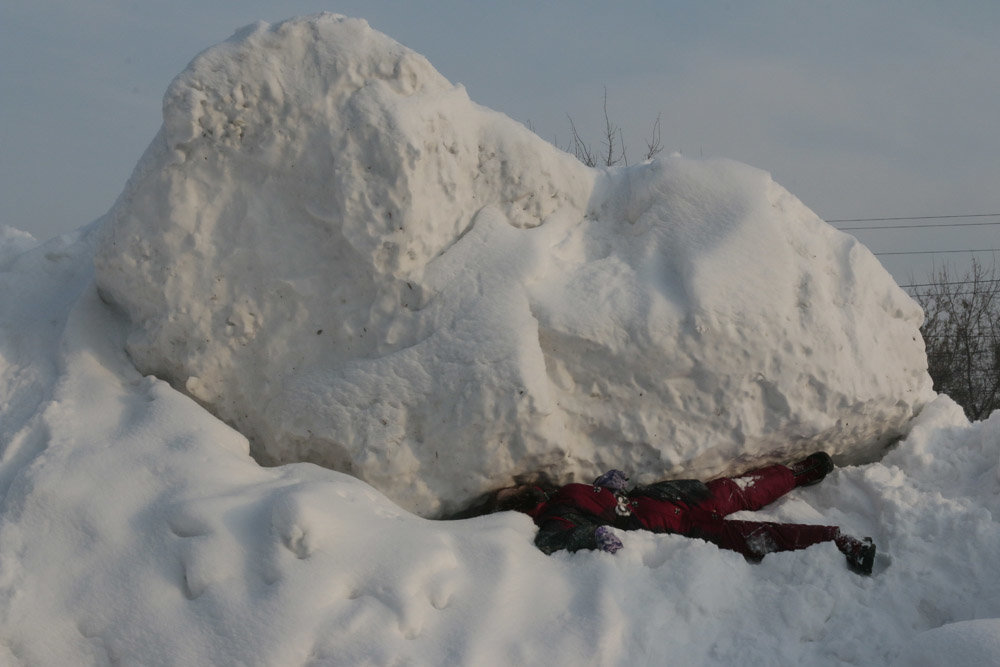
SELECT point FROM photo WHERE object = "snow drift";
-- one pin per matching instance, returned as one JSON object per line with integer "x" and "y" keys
{"x": 136, "y": 529}
{"x": 337, "y": 252}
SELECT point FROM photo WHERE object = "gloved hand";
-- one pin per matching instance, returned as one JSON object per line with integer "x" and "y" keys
{"x": 607, "y": 540}
{"x": 613, "y": 480}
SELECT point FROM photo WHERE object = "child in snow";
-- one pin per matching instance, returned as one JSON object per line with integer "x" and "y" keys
{"x": 580, "y": 516}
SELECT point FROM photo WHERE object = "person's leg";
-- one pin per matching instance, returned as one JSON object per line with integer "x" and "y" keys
{"x": 754, "y": 539}
{"x": 812, "y": 469}
{"x": 860, "y": 553}
{"x": 757, "y": 488}
{"x": 750, "y": 491}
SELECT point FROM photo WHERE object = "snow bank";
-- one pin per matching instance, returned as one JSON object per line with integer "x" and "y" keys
{"x": 335, "y": 251}
{"x": 13, "y": 242}
{"x": 136, "y": 529}
{"x": 963, "y": 644}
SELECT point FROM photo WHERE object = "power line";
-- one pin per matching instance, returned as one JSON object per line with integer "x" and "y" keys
{"x": 942, "y": 224}
{"x": 937, "y": 252}
{"x": 931, "y": 336}
{"x": 935, "y": 295}
{"x": 952, "y": 282}
{"x": 978, "y": 285}
{"x": 959, "y": 355}
{"x": 918, "y": 217}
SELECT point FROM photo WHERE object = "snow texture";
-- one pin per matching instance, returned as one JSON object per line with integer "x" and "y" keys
{"x": 135, "y": 527}
{"x": 335, "y": 251}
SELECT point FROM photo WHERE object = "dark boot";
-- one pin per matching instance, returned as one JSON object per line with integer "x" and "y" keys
{"x": 812, "y": 468}
{"x": 860, "y": 553}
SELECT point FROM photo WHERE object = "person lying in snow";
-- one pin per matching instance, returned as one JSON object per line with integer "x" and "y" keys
{"x": 580, "y": 516}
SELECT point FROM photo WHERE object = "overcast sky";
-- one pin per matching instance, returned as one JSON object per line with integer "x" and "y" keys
{"x": 861, "y": 109}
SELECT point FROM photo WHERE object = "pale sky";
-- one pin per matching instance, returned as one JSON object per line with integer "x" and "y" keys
{"x": 861, "y": 109}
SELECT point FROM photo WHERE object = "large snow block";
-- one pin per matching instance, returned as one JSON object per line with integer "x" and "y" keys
{"x": 333, "y": 249}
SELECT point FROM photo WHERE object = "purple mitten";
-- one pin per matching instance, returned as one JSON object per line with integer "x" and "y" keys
{"x": 607, "y": 540}
{"x": 614, "y": 480}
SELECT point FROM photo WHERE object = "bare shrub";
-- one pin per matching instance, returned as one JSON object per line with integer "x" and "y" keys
{"x": 613, "y": 150}
{"x": 962, "y": 333}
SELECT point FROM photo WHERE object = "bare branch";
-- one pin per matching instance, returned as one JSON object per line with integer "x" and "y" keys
{"x": 653, "y": 145}
{"x": 961, "y": 332}
{"x": 614, "y": 152}
{"x": 580, "y": 148}
{"x": 612, "y": 138}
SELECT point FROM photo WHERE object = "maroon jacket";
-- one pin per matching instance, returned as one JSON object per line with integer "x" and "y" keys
{"x": 568, "y": 519}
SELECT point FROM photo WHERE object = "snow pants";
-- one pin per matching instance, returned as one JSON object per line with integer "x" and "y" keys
{"x": 752, "y": 491}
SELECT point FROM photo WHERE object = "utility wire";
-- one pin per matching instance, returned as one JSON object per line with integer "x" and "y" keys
{"x": 937, "y": 252}
{"x": 922, "y": 226}
{"x": 974, "y": 353}
{"x": 918, "y": 217}
{"x": 953, "y": 282}
{"x": 931, "y": 226}
{"x": 935, "y": 295}
{"x": 932, "y": 336}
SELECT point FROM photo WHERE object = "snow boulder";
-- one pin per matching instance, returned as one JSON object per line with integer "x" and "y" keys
{"x": 333, "y": 249}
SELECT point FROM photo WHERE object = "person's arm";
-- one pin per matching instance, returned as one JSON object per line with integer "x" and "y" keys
{"x": 690, "y": 491}
{"x": 573, "y": 531}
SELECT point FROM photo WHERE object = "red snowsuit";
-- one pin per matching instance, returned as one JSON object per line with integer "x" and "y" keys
{"x": 567, "y": 519}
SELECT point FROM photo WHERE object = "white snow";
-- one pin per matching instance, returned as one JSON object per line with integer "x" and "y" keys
{"x": 962, "y": 644}
{"x": 135, "y": 528}
{"x": 335, "y": 251}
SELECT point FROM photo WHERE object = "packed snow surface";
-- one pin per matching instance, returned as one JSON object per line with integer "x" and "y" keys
{"x": 135, "y": 527}
{"x": 335, "y": 251}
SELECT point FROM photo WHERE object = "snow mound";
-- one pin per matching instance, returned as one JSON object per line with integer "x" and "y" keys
{"x": 13, "y": 242}
{"x": 337, "y": 252}
{"x": 963, "y": 644}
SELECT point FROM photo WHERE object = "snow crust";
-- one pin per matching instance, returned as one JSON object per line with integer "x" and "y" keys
{"x": 136, "y": 529}
{"x": 335, "y": 251}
